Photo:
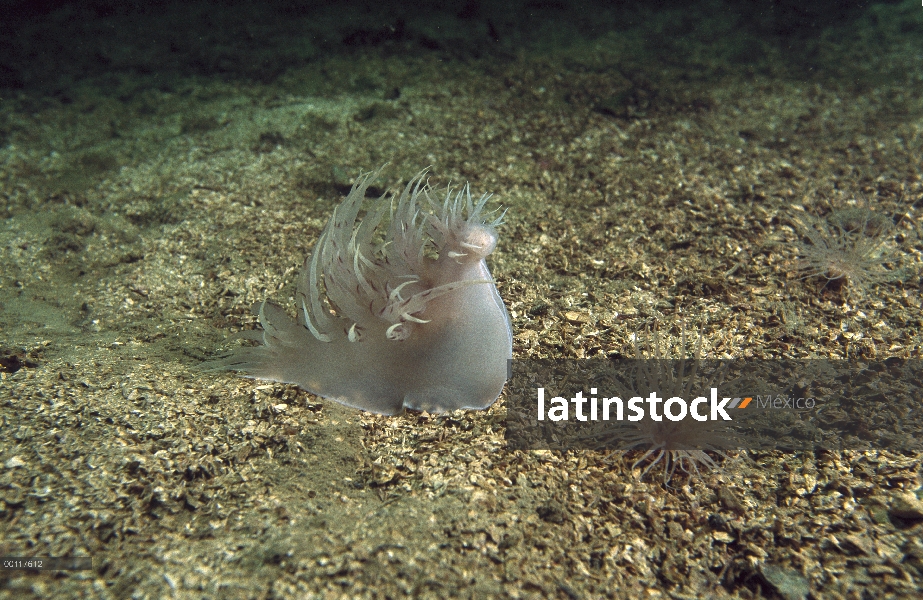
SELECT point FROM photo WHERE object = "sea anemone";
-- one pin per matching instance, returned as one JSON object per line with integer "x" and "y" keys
{"x": 850, "y": 246}
{"x": 688, "y": 445}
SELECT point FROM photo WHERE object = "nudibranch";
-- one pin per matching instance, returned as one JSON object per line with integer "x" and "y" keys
{"x": 392, "y": 313}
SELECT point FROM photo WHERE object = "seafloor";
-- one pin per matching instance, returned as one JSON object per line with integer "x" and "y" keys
{"x": 655, "y": 165}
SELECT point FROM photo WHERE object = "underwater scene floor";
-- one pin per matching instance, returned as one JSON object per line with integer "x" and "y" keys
{"x": 661, "y": 168}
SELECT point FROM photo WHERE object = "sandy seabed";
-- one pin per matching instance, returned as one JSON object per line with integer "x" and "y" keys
{"x": 139, "y": 228}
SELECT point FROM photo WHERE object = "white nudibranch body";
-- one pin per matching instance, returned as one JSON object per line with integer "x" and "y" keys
{"x": 403, "y": 315}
